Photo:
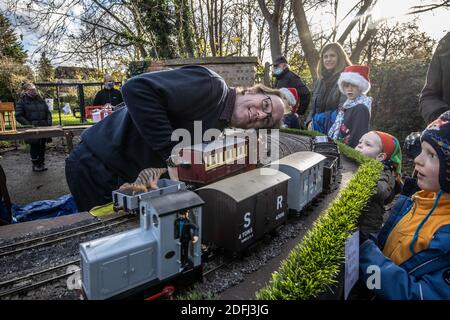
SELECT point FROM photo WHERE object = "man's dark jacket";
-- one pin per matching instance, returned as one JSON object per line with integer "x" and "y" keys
{"x": 288, "y": 79}
{"x": 111, "y": 96}
{"x": 435, "y": 96}
{"x": 138, "y": 136}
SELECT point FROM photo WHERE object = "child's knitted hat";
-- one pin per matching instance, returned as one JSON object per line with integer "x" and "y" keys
{"x": 391, "y": 147}
{"x": 357, "y": 75}
{"x": 438, "y": 135}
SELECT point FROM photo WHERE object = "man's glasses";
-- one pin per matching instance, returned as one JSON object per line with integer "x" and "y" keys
{"x": 267, "y": 108}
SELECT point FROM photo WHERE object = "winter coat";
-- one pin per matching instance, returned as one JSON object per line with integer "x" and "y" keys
{"x": 435, "y": 96}
{"x": 371, "y": 218}
{"x": 33, "y": 111}
{"x": 326, "y": 98}
{"x": 288, "y": 79}
{"x": 111, "y": 96}
{"x": 425, "y": 274}
{"x": 355, "y": 125}
{"x": 291, "y": 121}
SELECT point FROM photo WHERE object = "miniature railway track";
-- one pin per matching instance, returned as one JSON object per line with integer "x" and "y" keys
{"x": 46, "y": 240}
{"x": 298, "y": 143}
{"x": 36, "y": 279}
{"x": 290, "y": 143}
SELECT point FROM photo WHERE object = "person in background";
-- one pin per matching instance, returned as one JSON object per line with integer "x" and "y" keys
{"x": 412, "y": 250}
{"x": 290, "y": 120}
{"x": 285, "y": 78}
{"x": 385, "y": 148}
{"x": 435, "y": 95}
{"x": 326, "y": 94}
{"x": 108, "y": 95}
{"x": 353, "y": 117}
{"x": 31, "y": 109}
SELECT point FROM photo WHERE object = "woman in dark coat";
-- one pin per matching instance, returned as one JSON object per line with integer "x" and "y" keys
{"x": 326, "y": 96}
{"x": 33, "y": 110}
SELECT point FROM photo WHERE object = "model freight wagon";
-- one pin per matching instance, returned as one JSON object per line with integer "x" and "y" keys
{"x": 239, "y": 210}
{"x": 305, "y": 169}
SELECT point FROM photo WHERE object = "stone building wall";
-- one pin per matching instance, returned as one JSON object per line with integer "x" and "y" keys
{"x": 237, "y": 71}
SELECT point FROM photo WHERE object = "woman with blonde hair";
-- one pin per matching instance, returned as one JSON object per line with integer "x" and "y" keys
{"x": 326, "y": 96}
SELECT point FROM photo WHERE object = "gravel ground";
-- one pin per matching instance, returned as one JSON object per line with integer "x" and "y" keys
{"x": 45, "y": 257}
{"x": 26, "y": 186}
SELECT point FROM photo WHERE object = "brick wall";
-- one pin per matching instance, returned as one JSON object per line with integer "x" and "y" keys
{"x": 237, "y": 71}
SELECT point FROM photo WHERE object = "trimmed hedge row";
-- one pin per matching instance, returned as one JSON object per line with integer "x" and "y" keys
{"x": 314, "y": 264}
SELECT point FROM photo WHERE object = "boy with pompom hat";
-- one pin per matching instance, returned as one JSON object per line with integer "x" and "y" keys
{"x": 412, "y": 250}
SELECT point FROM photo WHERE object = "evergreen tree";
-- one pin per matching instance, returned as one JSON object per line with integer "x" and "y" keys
{"x": 158, "y": 20}
{"x": 9, "y": 45}
{"x": 13, "y": 70}
{"x": 46, "y": 72}
{"x": 185, "y": 34}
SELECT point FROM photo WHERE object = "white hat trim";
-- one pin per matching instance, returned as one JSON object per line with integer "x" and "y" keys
{"x": 289, "y": 96}
{"x": 355, "y": 79}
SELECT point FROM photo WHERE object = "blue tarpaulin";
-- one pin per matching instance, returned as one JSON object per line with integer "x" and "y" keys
{"x": 44, "y": 209}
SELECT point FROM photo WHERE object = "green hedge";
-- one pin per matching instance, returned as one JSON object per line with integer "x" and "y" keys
{"x": 314, "y": 264}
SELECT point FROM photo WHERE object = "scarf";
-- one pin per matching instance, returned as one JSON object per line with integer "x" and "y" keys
{"x": 348, "y": 104}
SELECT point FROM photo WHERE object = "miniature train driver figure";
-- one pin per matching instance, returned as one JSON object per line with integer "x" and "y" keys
{"x": 186, "y": 231}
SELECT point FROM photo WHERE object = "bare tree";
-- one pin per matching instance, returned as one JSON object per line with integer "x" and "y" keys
{"x": 304, "y": 33}
{"x": 362, "y": 18}
{"x": 429, "y": 7}
{"x": 399, "y": 41}
{"x": 273, "y": 19}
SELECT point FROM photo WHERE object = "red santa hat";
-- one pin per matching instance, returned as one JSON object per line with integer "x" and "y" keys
{"x": 357, "y": 75}
{"x": 291, "y": 96}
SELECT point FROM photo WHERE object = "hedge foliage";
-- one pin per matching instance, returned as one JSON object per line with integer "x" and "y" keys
{"x": 314, "y": 264}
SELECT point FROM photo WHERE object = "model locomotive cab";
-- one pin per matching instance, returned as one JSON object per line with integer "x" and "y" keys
{"x": 134, "y": 261}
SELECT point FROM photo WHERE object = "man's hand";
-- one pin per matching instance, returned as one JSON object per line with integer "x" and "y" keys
{"x": 194, "y": 239}
{"x": 173, "y": 173}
